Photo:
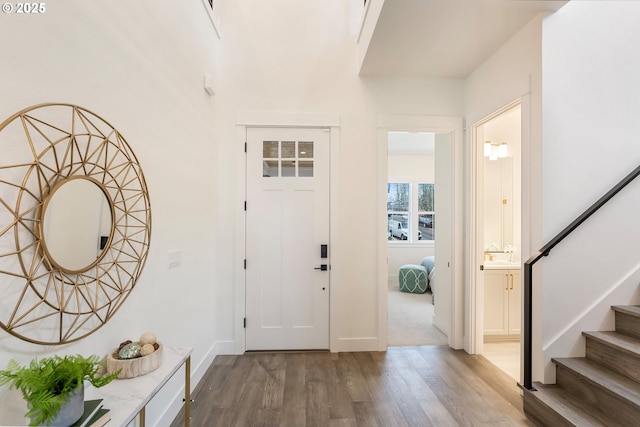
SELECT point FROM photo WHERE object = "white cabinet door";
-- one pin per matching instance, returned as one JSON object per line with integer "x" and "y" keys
{"x": 496, "y": 303}
{"x": 502, "y": 293}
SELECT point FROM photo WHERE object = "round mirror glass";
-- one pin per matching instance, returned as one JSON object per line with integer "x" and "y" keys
{"x": 76, "y": 224}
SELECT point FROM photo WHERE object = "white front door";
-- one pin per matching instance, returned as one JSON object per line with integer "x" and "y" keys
{"x": 287, "y": 289}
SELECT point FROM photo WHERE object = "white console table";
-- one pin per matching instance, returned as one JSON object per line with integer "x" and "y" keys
{"x": 126, "y": 399}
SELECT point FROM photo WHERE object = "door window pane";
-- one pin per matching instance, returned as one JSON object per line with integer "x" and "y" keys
{"x": 288, "y": 149}
{"x": 270, "y": 150}
{"x": 288, "y": 168}
{"x": 305, "y": 150}
{"x": 270, "y": 168}
{"x": 305, "y": 168}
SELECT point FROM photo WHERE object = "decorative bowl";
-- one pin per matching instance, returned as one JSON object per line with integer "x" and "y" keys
{"x": 131, "y": 368}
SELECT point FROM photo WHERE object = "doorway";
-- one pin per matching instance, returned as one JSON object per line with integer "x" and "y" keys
{"x": 287, "y": 240}
{"x": 411, "y": 237}
{"x": 498, "y": 225}
{"x": 449, "y": 303}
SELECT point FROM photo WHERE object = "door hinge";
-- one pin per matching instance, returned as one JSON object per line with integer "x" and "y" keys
{"x": 245, "y": 323}
{"x": 245, "y": 263}
{"x": 245, "y": 147}
{"x": 245, "y": 205}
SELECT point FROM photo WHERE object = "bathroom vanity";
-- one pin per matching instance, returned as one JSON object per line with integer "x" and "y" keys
{"x": 502, "y": 294}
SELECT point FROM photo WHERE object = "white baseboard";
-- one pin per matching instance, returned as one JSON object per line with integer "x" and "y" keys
{"x": 356, "y": 344}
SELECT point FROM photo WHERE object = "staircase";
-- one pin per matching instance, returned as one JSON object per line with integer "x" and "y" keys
{"x": 601, "y": 389}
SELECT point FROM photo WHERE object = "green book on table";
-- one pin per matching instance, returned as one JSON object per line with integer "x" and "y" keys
{"x": 90, "y": 409}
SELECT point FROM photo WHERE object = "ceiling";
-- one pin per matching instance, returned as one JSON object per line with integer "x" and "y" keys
{"x": 444, "y": 38}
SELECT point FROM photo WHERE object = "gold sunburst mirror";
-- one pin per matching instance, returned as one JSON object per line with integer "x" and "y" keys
{"x": 75, "y": 223}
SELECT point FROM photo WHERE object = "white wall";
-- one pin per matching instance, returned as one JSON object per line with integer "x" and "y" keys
{"x": 303, "y": 58}
{"x": 591, "y": 133}
{"x": 140, "y": 66}
{"x": 512, "y": 73}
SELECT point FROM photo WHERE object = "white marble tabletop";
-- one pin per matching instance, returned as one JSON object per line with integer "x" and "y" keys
{"x": 125, "y": 398}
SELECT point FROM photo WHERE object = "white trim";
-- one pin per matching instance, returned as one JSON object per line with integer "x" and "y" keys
{"x": 240, "y": 226}
{"x": 355, "y": 344}
{"x": 212, "y": 13}
{"x": 246, "y": 120}
{"x": 435, "y": 124}
{"x": 418, "y": 244}
{"x": 382, "y": 240}
{"x": 475, "y": 320}
{"x": 475, "y": 287}
{"x": 287, "y": 119}
{"x": 334, "y": 251}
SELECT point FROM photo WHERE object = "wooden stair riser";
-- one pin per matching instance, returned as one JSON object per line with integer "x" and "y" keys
{"x": 607, "y": 399}
{"x": 627, "y": 324}
{"x": 605, "y": 405}
{"x": 541, "y": 413}
{"x": 624, "y": 363}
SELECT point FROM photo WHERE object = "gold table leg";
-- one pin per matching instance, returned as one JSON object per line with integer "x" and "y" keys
{"x": 187, "y": 392}
{"x": 142, "y": 416}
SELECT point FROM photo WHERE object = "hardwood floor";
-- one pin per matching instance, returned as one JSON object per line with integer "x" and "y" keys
{"x": 405, "y": 386}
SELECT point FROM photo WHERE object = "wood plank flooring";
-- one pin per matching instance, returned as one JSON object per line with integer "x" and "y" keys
{"x": 405, "y": 386}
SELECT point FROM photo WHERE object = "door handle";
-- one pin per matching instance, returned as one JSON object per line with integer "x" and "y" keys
{"x": 323, "y": 267}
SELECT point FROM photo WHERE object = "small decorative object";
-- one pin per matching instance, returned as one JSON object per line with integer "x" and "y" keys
{"x": 147, "y": 349}
{"x": 148, "y": 338}
{"x": 49, "y": 383}
{"x": 129, "y": 351}
{"x": 135, "y": 358}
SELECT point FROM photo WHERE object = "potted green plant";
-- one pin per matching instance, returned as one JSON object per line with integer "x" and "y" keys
{"x": 48, "y": 383}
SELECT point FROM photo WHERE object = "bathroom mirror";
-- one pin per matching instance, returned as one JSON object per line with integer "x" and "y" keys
{"x": 498, "y": 204}
{"x": 75, "y": 223}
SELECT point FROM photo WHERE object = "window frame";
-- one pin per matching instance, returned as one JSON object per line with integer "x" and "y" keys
{"x": 413, "y": 215}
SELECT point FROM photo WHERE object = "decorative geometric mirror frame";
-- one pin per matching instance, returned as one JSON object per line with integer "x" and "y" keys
{"x": 45, "y": 145}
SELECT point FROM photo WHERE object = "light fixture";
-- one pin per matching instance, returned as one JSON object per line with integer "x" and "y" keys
{"x": 487, "y": 148}
{"x": 495, "y": 151}
{"x": 502, "y": 150}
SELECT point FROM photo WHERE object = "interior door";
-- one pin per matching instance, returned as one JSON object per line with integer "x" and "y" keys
{"x": 287, "y": 270}
{"x": 444, "y": 216}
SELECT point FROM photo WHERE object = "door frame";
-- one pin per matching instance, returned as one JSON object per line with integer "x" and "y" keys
{"x": 434, "y": 124}
{"x": 330, "y": 121}
{"x": 476, "y": 254}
